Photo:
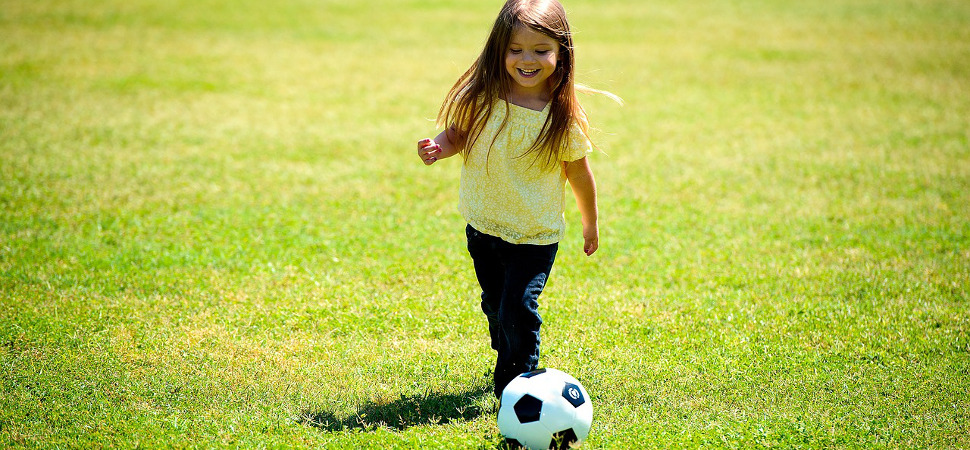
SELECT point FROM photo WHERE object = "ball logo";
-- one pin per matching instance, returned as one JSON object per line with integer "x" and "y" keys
{"x": 574, "y": 393}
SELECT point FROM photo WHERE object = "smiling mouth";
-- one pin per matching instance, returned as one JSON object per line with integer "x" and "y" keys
{"x": 528, "y": 73}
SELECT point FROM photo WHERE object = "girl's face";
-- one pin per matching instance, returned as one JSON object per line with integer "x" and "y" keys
{"x": 530, "y": 60}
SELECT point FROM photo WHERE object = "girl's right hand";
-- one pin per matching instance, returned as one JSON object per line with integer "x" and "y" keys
{"x": 428, "y": 151}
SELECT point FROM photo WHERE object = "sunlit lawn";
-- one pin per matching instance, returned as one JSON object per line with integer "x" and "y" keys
{"x": 214, "y": 229}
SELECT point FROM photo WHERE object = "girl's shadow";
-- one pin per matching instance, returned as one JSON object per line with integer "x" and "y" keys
{"x": 430, "y": 408}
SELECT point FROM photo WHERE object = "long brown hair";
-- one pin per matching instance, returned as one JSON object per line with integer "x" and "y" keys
{"x": 471, "y": 101}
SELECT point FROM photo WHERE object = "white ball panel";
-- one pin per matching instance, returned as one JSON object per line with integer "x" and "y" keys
{"x": 534, "y": 436}
{"x": 584, "y": 420}
{"x": 515, "y": 389}
{"x": 508, "y": 424}
{"x": 557, "y": 415}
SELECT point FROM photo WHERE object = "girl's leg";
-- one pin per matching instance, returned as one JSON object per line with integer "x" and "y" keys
{"x": 512, "y": 278}
{"x": 526, "y": 270}
{"x": 491, "y": 277}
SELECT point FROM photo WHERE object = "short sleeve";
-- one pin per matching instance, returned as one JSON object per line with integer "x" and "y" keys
{"x": 579, "y": 144}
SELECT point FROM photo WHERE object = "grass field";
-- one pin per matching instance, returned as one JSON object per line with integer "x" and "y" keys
{"x": 215, "y": 230}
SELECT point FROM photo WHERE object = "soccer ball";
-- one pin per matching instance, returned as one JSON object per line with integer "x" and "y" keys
{"x": 545, "y": 408}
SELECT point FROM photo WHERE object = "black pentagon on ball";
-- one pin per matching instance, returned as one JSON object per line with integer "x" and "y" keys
{"x": 564, "y": 439}
{"x": 533, "y": 373}
{"x": 528, "y": 408}
{"x": 573, "y": 394}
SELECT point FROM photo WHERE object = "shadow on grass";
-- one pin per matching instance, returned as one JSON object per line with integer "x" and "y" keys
{"x": 405, "y": 412}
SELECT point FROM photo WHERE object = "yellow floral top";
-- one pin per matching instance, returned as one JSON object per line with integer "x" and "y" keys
{"x": 516, "y": 198}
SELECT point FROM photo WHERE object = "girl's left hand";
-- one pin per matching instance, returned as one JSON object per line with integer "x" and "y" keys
{"x": 591, "y": 238}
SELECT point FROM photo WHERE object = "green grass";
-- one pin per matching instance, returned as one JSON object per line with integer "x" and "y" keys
{"x": 214, "y": 229}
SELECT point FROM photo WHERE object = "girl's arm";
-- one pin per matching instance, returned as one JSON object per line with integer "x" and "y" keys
{"x": 441, "y": 147}
{"x": 580, "y": 177}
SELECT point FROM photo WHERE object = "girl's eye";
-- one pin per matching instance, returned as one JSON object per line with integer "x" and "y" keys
{"x": 542, "y": 52}
{"x": 515, "y": 51}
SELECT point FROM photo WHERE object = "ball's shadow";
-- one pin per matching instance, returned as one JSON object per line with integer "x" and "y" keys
{"x": 430, "y": 408}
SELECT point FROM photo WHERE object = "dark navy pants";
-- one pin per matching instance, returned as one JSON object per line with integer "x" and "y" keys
{"x": 511, "y": 276}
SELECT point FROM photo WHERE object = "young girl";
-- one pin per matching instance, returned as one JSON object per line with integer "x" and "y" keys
{"x": 515, "y": 120}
